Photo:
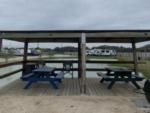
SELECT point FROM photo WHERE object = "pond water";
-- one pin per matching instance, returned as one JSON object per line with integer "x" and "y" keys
{"x": 10, "y": 79}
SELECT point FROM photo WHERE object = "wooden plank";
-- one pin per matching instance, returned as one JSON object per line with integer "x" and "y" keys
{"x": 44, "y": 89}
{"x": 76, "y": 86}
{"x": 109, "y": 39}
{"x": 1, "y": 44}
{"x": 98, "y": 90}
{"x": 79, "y": 59}
{"x": 135, "y": 58}
{"x": 53, "y": 61}
{"x": 25, "y": 56}
{"x": 83, "y": 62}
{"x": 10, "y": 73}
{"x": 135, "y": 31}
{"x": 63, "y": 87}
{"x": 87, "y": 88}
{"x": 10, "y": 64}
{"x": 67, "y": 87}
{"x": 87, "y": 61}
{"x": 92, "y": 35}
{"x": 102, "y": 88}
{"x": 94, "y": 84}
{"x": 72, "y": 87}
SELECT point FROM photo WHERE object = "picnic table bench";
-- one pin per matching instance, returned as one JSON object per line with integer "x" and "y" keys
{"x": 43, "y": 74}
{"x": 120, "y": 74}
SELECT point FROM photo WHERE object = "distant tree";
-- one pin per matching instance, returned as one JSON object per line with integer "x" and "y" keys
{"x": 65, "y": 49}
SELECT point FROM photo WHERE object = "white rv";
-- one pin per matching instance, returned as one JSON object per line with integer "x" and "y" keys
{"x": 108, "y": 52}
{"x": 99, "y": 52}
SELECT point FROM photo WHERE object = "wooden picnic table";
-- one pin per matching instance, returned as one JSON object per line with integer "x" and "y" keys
{"x": 120, "y": 74}
{"x": 43, "y": 74}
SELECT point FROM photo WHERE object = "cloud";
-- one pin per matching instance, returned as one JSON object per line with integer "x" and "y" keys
{"x": 74, "y": 14}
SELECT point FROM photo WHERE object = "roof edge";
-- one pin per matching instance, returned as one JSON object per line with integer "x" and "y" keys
{"x": 72, "y": 31}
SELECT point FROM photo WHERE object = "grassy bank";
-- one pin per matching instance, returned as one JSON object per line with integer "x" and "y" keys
{"x": 101, "y": 57}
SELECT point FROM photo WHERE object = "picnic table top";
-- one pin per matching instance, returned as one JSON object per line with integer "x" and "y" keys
{"x": 44, "y": 69}
{"x": 119, "y": 69}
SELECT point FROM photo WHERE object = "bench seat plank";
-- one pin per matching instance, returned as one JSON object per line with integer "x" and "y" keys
{"x": 27, "y": 77}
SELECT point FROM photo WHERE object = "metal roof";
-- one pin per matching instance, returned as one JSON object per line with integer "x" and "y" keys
{"x": 93, "y": 36}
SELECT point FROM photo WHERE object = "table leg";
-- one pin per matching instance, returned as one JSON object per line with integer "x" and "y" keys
{"x": 135, "y": 84}
{"x": 111, "y": 84}
{"x": 60, "y": 81}
{"x": 102, "y": 80}
{"x": 124, "y": 79}
{"x": 72, "y": 74}
{"x": 28, "y": 84}
{"x": 52, "y": 82}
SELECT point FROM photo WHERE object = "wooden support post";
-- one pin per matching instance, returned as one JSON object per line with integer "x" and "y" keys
{"x": 79, "y": 59}
{"x": 1, "y": 44}
{"x": 83, "y": 62}
{"x": 135, "y": 57}
{"x": 25, "y": 56}
{"x": 79, "y": 65}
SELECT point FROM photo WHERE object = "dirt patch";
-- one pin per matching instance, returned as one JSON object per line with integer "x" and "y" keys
{"x": 67, "y": 104}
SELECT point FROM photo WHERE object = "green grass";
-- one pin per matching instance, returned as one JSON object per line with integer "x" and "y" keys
{"x": 50, "y": 55}
{"x": 102, "y": 57}
{"x": 145, "y": 68}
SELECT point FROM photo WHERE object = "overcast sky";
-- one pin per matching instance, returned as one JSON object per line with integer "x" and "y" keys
{"x": 73, "y": 14}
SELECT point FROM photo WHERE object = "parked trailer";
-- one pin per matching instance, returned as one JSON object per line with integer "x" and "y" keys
{"x": 101, "y": 52}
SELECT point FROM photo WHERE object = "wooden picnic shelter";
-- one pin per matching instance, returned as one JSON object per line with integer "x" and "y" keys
{"x": 81, "y": 37}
